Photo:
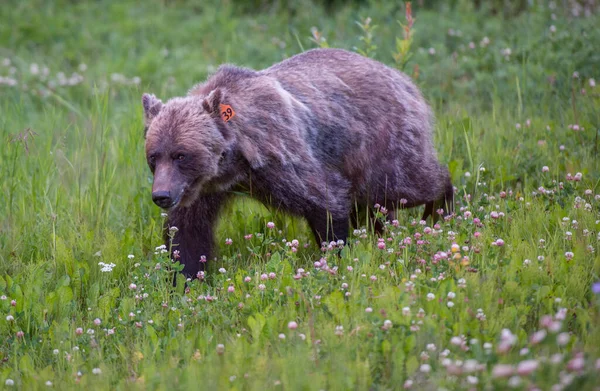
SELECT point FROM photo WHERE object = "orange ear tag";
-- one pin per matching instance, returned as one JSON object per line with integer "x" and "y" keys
{"x": 227, "y": 112}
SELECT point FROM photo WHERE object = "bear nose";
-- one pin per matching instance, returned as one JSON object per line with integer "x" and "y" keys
{"x": 162, "y": 198}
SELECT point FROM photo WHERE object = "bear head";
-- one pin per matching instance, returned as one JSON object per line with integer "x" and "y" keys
{"x": 189, "y": 147}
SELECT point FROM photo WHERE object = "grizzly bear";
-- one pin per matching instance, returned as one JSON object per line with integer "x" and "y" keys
{"x": 320, "y": 135}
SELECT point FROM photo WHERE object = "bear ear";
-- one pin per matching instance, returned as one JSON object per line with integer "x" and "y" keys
{"x": 152, "y": 106}
{"x": 212, "y": 101}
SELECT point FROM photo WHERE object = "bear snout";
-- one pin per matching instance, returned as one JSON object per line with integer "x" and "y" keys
{"x": 162, "y": 198}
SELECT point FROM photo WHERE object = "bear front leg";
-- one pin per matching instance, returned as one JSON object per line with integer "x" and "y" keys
{"x": 327, "y": 227}
{"x": 193, "y": 240}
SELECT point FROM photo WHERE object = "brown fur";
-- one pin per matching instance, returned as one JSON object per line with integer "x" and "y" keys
{"x": 316, "y": 135}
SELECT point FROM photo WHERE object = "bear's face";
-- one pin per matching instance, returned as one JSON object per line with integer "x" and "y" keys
{"x": 185, "y": 149}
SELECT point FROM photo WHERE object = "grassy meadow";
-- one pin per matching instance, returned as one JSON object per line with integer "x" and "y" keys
{"x": 505, "y": 294}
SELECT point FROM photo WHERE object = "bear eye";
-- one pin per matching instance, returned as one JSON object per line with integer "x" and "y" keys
{"x": 180, "y": 157}
{"x": 152, "y": 160}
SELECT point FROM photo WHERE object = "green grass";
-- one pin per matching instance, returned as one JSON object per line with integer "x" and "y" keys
{"x": 76, "y": 191}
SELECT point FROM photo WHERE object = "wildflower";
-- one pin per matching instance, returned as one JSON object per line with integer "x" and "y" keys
{"x": 20, "y": 334}
{"x": 282, "y": 336}
{"x": 545, "y": 169}
{"x": 502, "y": 370}
{"x": 431, "y": 347}
{"x": 406, "y": 311}
{"x": 480, "y": 315}
{"x": 96, "y": 371}
{"x": 220, "y": 349}
{"x": 472, "y": 380}
{"x": 569, "y": 255}
{"x": 514, "y": 382}
{"x": 10, "y": 318}
{"x": 458, "y": 341}
{"x": 48, "y": 383}
{"x": 538, "y": 336}
{"x": 408, "y": 384}
{"x": 430, "y": 296}
{"x": 553, "y": 29}
{"x": 261, "y": 287}
{"x": 229, "y": 241}
{"x": 450, "y": 304}
{"x": 230, "y": 289}
{"x": 527, "y": 367}
{"x": 339, "y": 330}
{"x": 106, "y": 267}
{"x": 596, "y": 288}
{"x": 272, "y": 276}
{"x": 270, "y": 225}
{"x": 9, "y": 382}
{"x": 132, "y": 286}
{"x": 222, "y": 270}
{"x": 507, "y": 340}
{"x": 451, "y": 295}
{"x": 563, "y": 338}
{"x": 292, "y": 325}
{"x": 97, "y": 322}
{"x": 55, "y": 352}
{"x": 387, "y": 324}
{"x": 425, "y": 368}
{"x": 576, "y": 364}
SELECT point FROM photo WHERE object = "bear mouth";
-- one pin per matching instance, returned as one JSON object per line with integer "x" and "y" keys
{"x": 174, "y": 201}
{"x": 177, "y": 199}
